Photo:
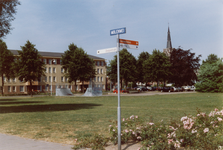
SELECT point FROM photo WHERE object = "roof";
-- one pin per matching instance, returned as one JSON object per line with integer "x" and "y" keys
{"x": 54, "y": 54}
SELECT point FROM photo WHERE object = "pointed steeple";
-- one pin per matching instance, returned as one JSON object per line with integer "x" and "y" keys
{"x": 169, "y": 44}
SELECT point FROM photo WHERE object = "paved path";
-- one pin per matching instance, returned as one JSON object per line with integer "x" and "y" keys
{"x": 10, "y": 142}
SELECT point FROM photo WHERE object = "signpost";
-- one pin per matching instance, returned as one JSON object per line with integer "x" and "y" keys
{"x": 128, "y": 44}
{"x": 108, "y": 50}
{"x": 125, "y": 44}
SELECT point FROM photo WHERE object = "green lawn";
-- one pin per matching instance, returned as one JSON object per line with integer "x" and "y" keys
{"x": 61, "y": 119}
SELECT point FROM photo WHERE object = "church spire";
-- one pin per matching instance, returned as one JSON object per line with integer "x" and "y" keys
{"x": 169, "y": 44}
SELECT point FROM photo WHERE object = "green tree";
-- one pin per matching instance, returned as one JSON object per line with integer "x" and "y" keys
{"x": 6, "y": 63}
{"x": 184, "y": 66}
{"x": 210, "y": 76}
{"x": 157, "y": 67}
{"x": 139, "y": 64}
{"x": 127, "y": 66}
{"x": 29, "y": 65}
{"x": 78, "y": 65}
{"x": 7, "y": 11}
{"x": 212, "y": 58}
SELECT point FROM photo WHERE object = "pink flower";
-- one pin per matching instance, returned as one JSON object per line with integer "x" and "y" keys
{"x": 136, "y": 116}
{"x": 193, "y": 131}
{"x": 206, "y": 130}
{"x": 123, "y": 119}
{"x": 110, "y": 126}
{"x": 151, "y": 123}
{"x": 126, "y": 131}
{"x": 139, "y": 137}
{"x": 170, "y": 141}
{"x": 215, "y": 109}
{"x": 219, "y": 119}
{"x": 181, "y": 140}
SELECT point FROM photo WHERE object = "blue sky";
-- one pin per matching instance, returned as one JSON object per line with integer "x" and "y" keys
{"x": 53, "y": 24}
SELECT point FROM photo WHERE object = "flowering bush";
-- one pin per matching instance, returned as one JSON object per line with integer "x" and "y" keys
{"x": 203, "y": 131}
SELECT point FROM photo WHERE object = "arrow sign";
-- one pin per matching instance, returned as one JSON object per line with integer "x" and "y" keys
{"x": 128, "y": 44}
{"x": 107, "y": 50}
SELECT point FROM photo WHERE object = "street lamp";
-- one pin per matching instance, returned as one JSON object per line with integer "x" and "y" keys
{"x": 52, "y": 76}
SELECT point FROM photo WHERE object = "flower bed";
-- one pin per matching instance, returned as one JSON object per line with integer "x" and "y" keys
{"x": 203, "y": 131}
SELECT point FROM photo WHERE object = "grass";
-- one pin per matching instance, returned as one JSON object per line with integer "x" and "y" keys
{"x": 61, "y": 119}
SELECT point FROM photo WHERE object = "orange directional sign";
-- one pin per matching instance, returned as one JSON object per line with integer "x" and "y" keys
{"x": 128, "y": 44}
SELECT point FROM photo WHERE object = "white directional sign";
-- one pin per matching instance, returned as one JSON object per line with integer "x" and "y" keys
{"x": 107, "y": 50}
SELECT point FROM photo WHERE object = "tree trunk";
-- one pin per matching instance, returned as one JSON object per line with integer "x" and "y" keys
{"x": 75, "y": 84}
{"x": 82, "y": 88}
{"x": 31, "y": 87}
{"x": 2, "y": 85}
{"x": 157, "y": 83}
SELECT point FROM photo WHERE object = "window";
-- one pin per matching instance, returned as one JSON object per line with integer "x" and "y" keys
{"x": 98, "y": 63}
{"x": 94, "y": 78}
{"x": 54, "y": 61}
{"x": 9, "y": 88}
{"x": 50, "y": 87}
{"x": 44, "y": 60}
{"x": 49, "y": 78}
{"x": 54, "y": 79}
{"x": 102, "y": 63}
{"x": 13, "y": 80}
{"x": 101, "y": 71}
{"x": 45, "y": 78}
{"x": 13, "y": 89}
{"x": 50, "y": 61}
{"x": 61, "y": 79}
{"x": 101, "y": 79}
{"x": 9, "y": 80}
{"x": 21, "y": 89}
{"x": 46, "y": 88}
{"x": 49, "y": 69}
{"x": 98, "y": 79}
{"x": 46, "y": 69}
{"x": 65, "y": 79}
{"x": 54, "y": 70}
{"x": 60, "y": 61}
{"x": 97, "y": 71}
{"x": 4, "y": 79}
{"x": 62, "y": 70}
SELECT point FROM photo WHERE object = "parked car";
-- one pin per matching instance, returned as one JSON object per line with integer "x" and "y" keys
{"x": 167, "y": 89}
{"x": 160, "y": 88}
{"x": 192, "y": 88}
{"x": 187, "y": 88}
{"x": 121, "y": 91}
{"x": 142, "y": 89}
{"x": 149, "y": 88}
{"x": 177, "y": 89}
{"x": 154, "y": 88}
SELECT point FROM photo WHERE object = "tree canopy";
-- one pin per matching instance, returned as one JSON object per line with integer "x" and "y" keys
{"x": 6, "y": 63}
{"x": 127, "y": 64}
{"x": 156, "y": 68}
{"x": 78, "y": 64}
{"x": 139, "y": 64}
{"x": 212, "y": 58}
{"x": 30, "y": 67}
{"x": 184, "y": 66}
{"x": 210, "y": 76}
{"x": 7, "y": 12}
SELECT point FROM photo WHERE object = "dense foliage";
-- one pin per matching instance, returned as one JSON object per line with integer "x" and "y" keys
{"x": 210, "y": 75}
{"x": 7, "y": 12}
{"x": 157, "y": 67}
{"x": 78, "y": 65}
{"x": 6, "y": 63}
{"x": 29, "y": 65}
{"x": 128, "y": 70}
{"x": 184, "y": 65}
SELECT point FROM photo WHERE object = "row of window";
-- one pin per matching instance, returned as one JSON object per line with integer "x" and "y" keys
{"x": 13, "y": 88}
{"x": 9, "y": 80}
{"x": 58, "y": 61}
{"x": 98, "y": 79}
{"x": 99, "y": 71}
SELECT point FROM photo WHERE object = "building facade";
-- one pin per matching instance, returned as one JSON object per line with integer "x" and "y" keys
{"x": 54, "y": 76}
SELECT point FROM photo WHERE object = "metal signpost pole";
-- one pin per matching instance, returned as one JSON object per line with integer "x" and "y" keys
{"x": 119, "y": 107}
